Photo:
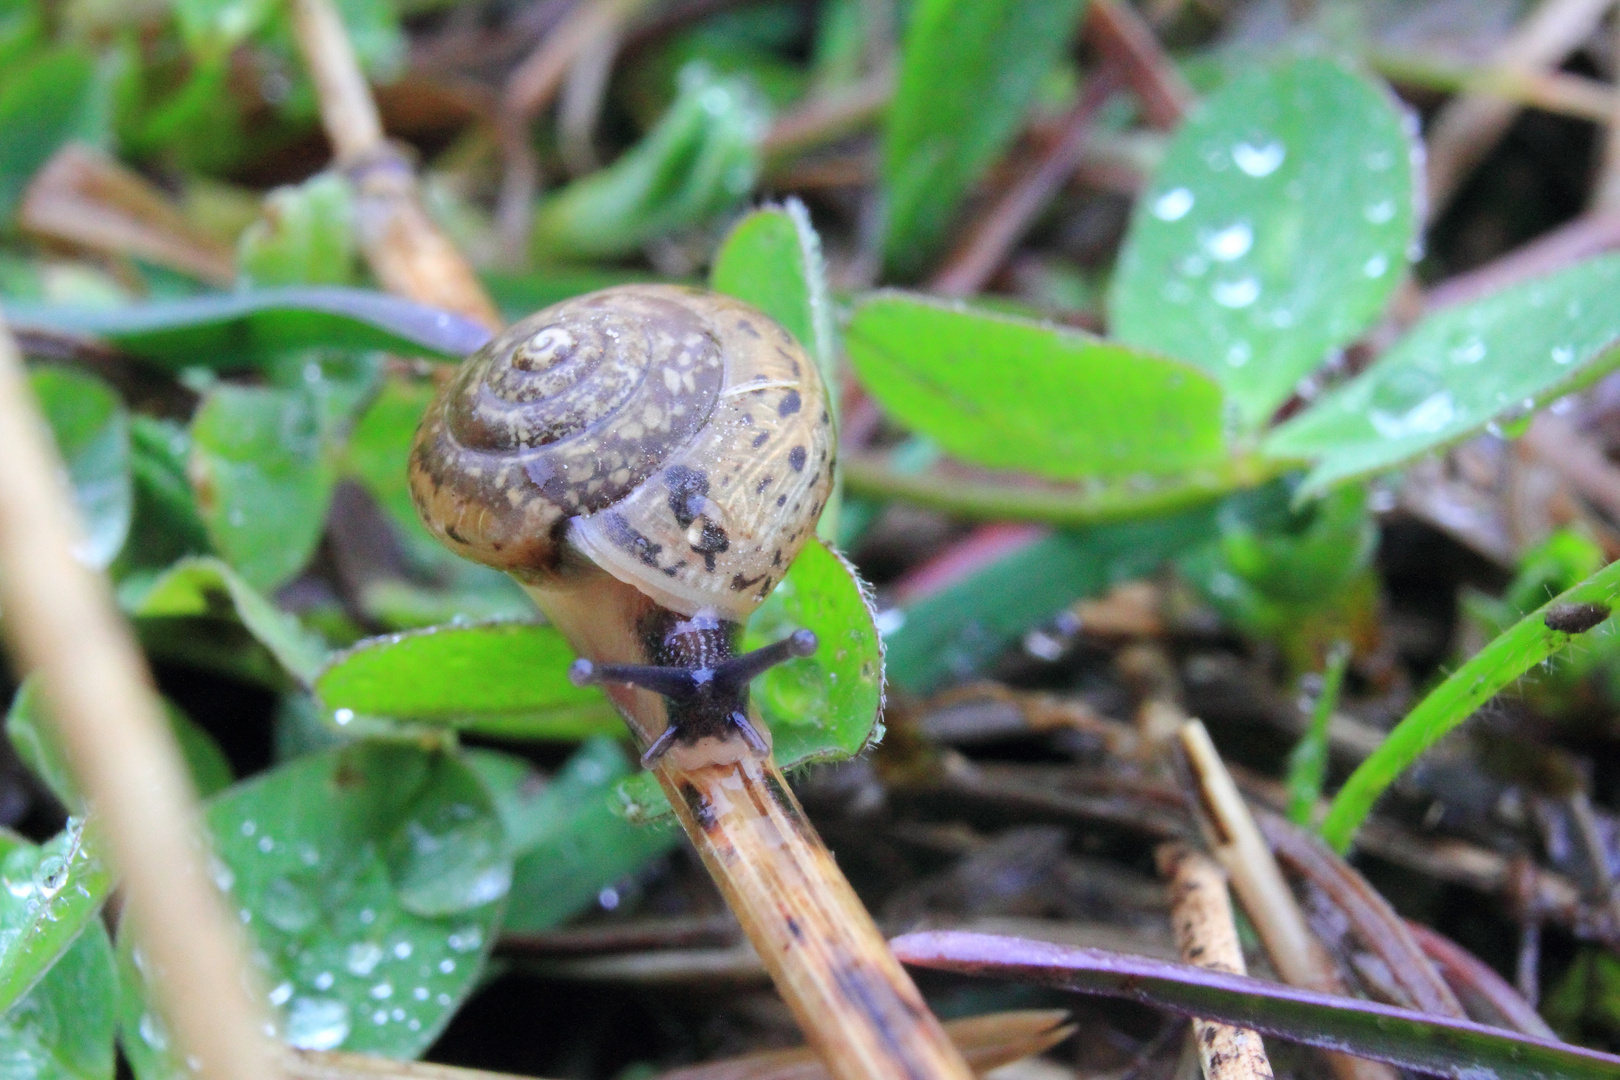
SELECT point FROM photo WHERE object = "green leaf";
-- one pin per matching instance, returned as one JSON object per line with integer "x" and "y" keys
{"x": 370, "y": 878}
{"x": 969, "y": 70}
{"x": 230, "y": 332}
{"x": 953, "y": 633}
{"x": 47, "y": 103}
{"x": 210, "y": 588}
{"x": 263, "y": 478}
{"x": 772, "y": 260}
{"x": 49, "y": 895}
{"x": 64, "y": 1028}
{"x": 823, "y": 707}
{"x": 699, "y": 161}
{"x": 1524, "y": 645}
{"x": 1497, "y": 359}
{"x": 1275, "y": 231}
{"x": 568, "y": 841}
{"x": 1006, "y": 393}
{"x": 212, "y": 28}
{"x": 34, "y": 739}
{"x": 304, "y": 236}
{"x": 91, "y": 427}
{"x": 505, "y": 679}
{"x": 166, "y": 525}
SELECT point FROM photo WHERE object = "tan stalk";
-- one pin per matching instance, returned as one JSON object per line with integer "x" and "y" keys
{"x": 856, "y": 1005}
{"x": 1235, "y": 840}
{"x": 1201, "y": 913}
{"x": 409, "y": 254}
{"x": 62, "y": 625}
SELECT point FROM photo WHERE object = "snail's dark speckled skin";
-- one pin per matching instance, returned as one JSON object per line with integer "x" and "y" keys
{"x": 674, "y": 437}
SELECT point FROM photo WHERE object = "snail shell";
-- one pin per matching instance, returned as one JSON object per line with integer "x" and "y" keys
{"x": 678, "y": 439}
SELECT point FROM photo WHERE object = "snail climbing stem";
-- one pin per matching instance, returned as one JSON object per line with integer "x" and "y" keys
{"x": 647, "y": 461}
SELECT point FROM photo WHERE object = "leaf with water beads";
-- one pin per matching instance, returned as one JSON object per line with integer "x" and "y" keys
{"x": 48, "y": 895}
{"x": 370, "y": 879}
{"x": 1492, "y": 361}
{"x": 1275, "y": 231}
{"x": 63, "y": 1029}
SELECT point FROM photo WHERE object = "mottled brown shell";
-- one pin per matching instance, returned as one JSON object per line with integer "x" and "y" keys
{"x": 678, "y": 439}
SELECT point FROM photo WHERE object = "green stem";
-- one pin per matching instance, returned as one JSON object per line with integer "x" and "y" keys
{"x": 1017, "y": 498}
{"x": 1514, "y": 652}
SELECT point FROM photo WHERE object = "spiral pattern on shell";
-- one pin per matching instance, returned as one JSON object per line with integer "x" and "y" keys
{"x": 679, "y": 439}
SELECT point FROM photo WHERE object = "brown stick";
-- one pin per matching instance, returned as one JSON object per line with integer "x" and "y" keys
{"x": 62, "y": 624}
{"x": 994, "y": 235}
{"x": 1201, "y": 913}
{"x": 402, "y": 245}
{"x": 1119, "y": 33}
{"x": 1235, "y": 839}
{"x": 1467, "y": 129}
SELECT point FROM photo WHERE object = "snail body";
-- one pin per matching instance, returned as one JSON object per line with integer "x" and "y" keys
{"x": 670, "y": 440}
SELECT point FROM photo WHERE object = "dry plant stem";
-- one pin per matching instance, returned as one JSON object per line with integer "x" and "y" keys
{"x": 829, "y": 117}
{"x": 1606, "y": 192}
{"x": 1377, "y": 925}
{"x": 1550, "y": 91}
{"x": 1591, "y": 234}
{"x": 1201, "y": 913}
{"x": 856, "y": 1005}
{"x": 1236, "y": 841}
{"x": 988, "y": 1042}
{"x": 1467, "y": 129}
{"x": 63, "y": 626}
{"x": 994, "y": 235}
{"x": 1119, "y": 33}
{"x": 854, "y": 1002}
{"x": 1577, "y": 459}
{"x": 405, "y": 249}
{"x": 87, "y": 198}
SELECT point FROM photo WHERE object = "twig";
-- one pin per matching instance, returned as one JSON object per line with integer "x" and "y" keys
{"x": 1369, "y": 914}
{"x": 993, "y": 236}
{"x": 1120, "y": 34}
{"x": 1606, "y": 191}
{"x": 87, "y": 198}
{"x": 1206, "y": 935}
{"x": 1236, "y": 841}
{"x": 856, "y": 1005}
{"x": 1489, "y": 998}
{"x": 1577, "y": 459}
{"x": 830, "y": 116}
{"x": 1550, "y": 91}
{"x": 405, "y": 249}
{"x": 1469, "y": 127}
{"x": 61, "y": 623}
{"x": 1591, "y": 234}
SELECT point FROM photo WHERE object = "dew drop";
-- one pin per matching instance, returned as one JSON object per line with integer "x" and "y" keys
{"x": 324, "y": 980}
{"x": 1563, "y": 354}
{"x": 317, "y": 1023}
{"x": 1236, "y": 294}
{"x": 446, "y": 966}
{"x": 1379, "y": 212}
{"x": 382, "y": 991}
{"x": 1238, "y": 353}
{"x": 152, "y": 1033}
{"x": 1232, "y": 242}
{"x": 1471, "y": 351}
{"x": 363, "y": 957}
{"x": 1173, "y": 205}
{"x": 1259, "y": 160}
{"x": 1427, "y": 416}
{"x": 1375, "y": 267}
{"x": 281, "y": 994}
{"x": 1378, "y": 160}
{"x": 466, "y": 939}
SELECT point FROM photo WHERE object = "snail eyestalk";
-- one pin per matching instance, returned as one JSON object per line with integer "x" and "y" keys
{"x": 647, "y": 461}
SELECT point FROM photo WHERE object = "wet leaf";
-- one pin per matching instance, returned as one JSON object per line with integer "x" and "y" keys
{"x": 569, "y": 842}
{"x": 165, "y": 525}
{"x": 304, "y": 236}
{"x": 506, "y": 679}
{"x": 1007, "y": 393}
{"x": 52, "y": 100}
{"x": 63, "y": 1029}
{"x": 823, "y": 707}
{"x": 209, "y": 588}
{"x": 1521, "y": 647}
{"x": 50, "y": 894}
{"x": 969, "y": 70}
{"x": 263, "y": 478}
{"x": 1419, "y": 1041}
{"x": 1461, "y": 369}
{"x": 700, "y": 160}
{"x": 241, "y": 330}
{"x": 772, "y": 260}
{"x": 332, "y": 861}
{"x": 1274, "y": 232}
{"x": 91, "y": 427}
{"x": 34, "y": 739}
{"x": 212, "y": 28}
{"x": 953, "y": 633}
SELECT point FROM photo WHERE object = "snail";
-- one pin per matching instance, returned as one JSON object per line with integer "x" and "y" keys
{"x": 646, "y": 460}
